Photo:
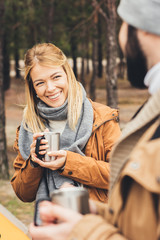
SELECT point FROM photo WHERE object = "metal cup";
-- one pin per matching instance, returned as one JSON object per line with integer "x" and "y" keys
{"x": 53, "y": 143}
{"x": 75, "y": 198}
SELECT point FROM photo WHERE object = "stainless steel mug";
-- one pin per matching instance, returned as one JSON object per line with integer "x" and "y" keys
{"x": 76, "y": 198}
{"x": 53, "y": 143}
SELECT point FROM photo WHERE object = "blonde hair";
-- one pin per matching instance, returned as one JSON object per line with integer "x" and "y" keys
{"x": 47, "y": 54}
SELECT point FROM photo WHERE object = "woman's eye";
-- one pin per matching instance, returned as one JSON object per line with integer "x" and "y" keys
{"x": 39, "y": 83}
{"x": 56, "y": 77}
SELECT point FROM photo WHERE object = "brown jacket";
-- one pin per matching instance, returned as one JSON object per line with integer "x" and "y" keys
{"x": 133, "y": 210}
{"x": 91, "y": 170}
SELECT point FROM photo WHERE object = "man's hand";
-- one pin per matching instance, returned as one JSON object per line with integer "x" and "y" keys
{"x": 57, "y": 221}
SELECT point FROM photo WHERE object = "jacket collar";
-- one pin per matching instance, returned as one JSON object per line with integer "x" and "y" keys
{"x": 150, "y": 111}
{"x": 128, "y": 139}
{"x": 102, "y": 114}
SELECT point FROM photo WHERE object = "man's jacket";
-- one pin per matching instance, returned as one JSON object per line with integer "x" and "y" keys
{"x": 133, "y": 211}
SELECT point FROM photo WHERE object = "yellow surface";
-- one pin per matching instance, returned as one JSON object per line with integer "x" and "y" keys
{"x": 8, "y": 231}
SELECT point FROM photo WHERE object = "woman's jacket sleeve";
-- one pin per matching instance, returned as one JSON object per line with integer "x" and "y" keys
{"x": 26, "y": 178}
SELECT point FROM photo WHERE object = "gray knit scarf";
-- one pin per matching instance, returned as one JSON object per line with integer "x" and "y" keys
{"x": 74, "y": 141}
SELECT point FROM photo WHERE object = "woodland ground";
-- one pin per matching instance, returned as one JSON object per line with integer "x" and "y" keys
{"x": 129, "y": 100}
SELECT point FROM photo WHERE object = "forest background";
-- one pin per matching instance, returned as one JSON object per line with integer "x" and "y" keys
{"x": 87, "y": 32}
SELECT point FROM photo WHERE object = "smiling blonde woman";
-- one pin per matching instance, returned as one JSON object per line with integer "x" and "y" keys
{"x": 88, "y": 130}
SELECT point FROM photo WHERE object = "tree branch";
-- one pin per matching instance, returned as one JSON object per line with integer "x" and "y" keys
{"x": 97, "y": 7}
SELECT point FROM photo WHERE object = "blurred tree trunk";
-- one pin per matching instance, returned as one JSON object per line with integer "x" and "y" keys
{"x": 6, "y": 62}
{"x": 83, "y": 72}
{"x": 94, "y": 58}
{"x": 83, "y": 35}
{"x": 31, "y": 24}
{"x": 74, "y": 54}
{"x": 16, "y": 40}
{"x": 110, "y": 17}
{"x": 100, "y": 66}
{"x": 4, "y": 172}
{"x": 16, "y": 53}
{"x": 87, "y": 51}
{"x": 121, "y": 66}
{"x": 111, "y": 77}
{"x": 50, "y": 20}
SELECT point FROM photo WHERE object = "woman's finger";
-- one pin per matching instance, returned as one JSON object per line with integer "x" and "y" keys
{"x": 36, "y": 135}
{"x": 60, "y": 153}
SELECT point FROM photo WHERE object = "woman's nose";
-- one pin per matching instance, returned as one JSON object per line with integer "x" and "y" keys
{"x": 50, "y": 85}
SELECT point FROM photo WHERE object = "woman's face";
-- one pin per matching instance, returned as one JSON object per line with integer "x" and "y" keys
{"x": 50, "y": 84}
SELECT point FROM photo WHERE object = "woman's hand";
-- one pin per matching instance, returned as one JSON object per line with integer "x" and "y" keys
{"x": 59, "y": 162}
{"x": 60, "y": 156}
{"x": 42, "y": 147}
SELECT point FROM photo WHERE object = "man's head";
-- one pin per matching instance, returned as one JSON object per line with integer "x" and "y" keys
{"x": 140, "y": 37}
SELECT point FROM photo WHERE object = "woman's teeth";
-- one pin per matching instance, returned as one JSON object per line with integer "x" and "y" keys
{"x": 54, "y": 96}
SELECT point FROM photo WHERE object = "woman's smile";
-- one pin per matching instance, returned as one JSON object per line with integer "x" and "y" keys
{"x": 54, "y": 96}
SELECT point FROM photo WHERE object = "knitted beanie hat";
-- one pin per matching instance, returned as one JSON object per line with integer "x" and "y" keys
{"x": 141, "y": 14}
